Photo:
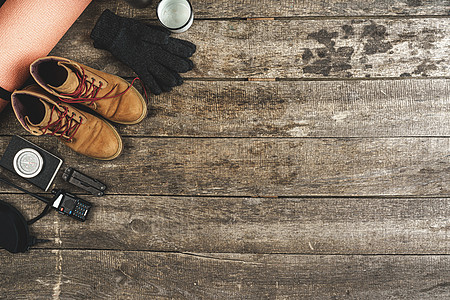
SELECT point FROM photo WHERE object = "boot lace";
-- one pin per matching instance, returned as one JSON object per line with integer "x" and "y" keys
{"x": 65, "y": 126}
{"x": 88, "y": 91}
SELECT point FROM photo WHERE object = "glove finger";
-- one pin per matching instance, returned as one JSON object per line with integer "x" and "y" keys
{"x": 161, "y": 74}
{"x": 165, "y": 88}
{"x": 178, "y": 78}
{"x": 179, "y": 81}
{"x": 173, "y": 62}
{"x": 180, "y": 47}
{"x": 150, "y": 83}
{"x": 160, "y": 28}
{"x": 189, "y": 45}
{"x": 150, "y": 34}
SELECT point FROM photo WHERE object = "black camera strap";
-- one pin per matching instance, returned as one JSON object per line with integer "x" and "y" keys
{"x": 45, "y": 200}
{"x": 42, "y": 214}
{"x": 4, "y": 94}
{"x": 14, "y": 234}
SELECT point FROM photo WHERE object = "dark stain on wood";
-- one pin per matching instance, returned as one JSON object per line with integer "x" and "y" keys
{"x": 348, "y": 31}
{"x": 375, "y": 36}
{"x": 414, "y": 3}
{"x": 424, "y": 68}
{"x": 329, "y": 59}
{"x": 307, "y": 55}
{"x": 324, "y": 37}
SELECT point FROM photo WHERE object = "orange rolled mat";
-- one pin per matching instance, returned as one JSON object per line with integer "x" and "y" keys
{"x": 29, "y": 29}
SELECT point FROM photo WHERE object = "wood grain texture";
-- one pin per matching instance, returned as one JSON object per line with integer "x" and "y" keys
{"x": 292, "y": 8}
{"x": 291, "y": 48}
{"x": 250, "y": 225}
{"x": 380, "y": 108}
{"x": 142, "y": 275}
{"x": 360, "y": 151}
{"x": 269, "y": 167}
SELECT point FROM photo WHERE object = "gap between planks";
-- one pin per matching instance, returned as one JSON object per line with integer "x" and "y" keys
{"x": 200, "y": 254}
{"x": 316, "y": 17}
{"x": 280, "y": 197}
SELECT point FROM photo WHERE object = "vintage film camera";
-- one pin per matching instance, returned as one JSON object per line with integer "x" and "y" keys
{"x": 31, "y": 162}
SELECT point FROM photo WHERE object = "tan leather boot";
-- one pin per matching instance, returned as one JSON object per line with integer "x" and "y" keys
{"x": 109, "y": 95}
{"x": 39, "y": 113}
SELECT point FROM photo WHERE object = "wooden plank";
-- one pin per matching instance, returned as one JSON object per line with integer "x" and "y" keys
{"x": 139, "y": 275}
{"x": 250, "y": 225}
{"x": 290, "y": 8}
{"x": 380, "y": 108}
{"x": 291, "y": 48}
{"x": 28, "y": 276}
{"x": 269, "y": 167}
{"x": 388, "y": 108}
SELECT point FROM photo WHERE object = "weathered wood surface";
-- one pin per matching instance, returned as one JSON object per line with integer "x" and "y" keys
{"x": 290, "y": 8}
{"x": 143, "y": 275}
{"x": 291, "y": 48}
{"x": 380, "y": 108}
{"x": 250, "y": 225}
{"x": 270, "y": 167}
{"x": 359, "y": 150}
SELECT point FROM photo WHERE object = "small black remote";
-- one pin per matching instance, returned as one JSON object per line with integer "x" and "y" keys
{"x": 71, "y": 205}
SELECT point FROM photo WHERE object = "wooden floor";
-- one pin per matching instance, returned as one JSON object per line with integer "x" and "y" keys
{"x": 307, "y": 156}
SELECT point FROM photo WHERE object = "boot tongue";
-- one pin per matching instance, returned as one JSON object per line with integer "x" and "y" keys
{"x": 70, "y": 84}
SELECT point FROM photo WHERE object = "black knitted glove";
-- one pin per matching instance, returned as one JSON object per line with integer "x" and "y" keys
{"x": 156, "y": 57}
